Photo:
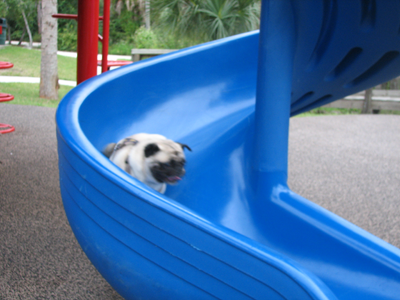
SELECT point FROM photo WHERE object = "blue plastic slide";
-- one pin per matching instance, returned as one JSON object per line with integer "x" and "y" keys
{"x": 232, "y": 229}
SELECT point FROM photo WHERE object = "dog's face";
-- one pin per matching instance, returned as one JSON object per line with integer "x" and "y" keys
{"x": 165, "y": 160}
{"x": 150, "y": 158}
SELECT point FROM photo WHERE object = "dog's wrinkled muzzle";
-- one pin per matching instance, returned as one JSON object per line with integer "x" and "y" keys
{"x": 170, "y": 172}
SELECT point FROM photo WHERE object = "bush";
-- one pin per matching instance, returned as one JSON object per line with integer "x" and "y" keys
{"x": 145, "y": 39}
{"x": 37, "y": 37}
{"x": 169, "y": 41}
{"x": 120, "y": 48}
{"x": 16, "y": 34}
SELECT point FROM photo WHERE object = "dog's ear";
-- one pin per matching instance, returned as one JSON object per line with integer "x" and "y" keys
{"x": 185, "y": 146}
{"x": 150, "y": 150}
{"x": 109, "y": 149}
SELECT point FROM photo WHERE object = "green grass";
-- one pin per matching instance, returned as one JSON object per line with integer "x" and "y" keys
{"x": 28, "y": 94}
{"x": 323, "y": 111}
{"x": 67, "y": 68}
{"x": 27, "y": 63}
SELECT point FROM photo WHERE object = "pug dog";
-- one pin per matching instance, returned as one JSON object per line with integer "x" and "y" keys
{"x": 151, "y": 158}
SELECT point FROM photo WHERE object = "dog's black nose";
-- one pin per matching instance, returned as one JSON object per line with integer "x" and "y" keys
{"x": 177, "y": 163}
{"x": 174, "y": 164}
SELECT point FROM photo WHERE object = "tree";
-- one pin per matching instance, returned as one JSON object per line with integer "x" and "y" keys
{"x": 20, "y": 15}
{"x": 27, "y": 27}
{"x": 48, "y": 69}
{"x": 205, "y": 20}
{"x": 367, "y": 105}
{"x": 3, "y": 7}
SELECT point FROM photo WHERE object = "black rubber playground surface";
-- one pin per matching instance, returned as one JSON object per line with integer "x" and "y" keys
{"x": 348, "y": 164}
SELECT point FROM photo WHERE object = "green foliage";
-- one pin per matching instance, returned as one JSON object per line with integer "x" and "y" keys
{"x": 3, "y": 7}
{"x": 205, "y": 20}
{"x": 67, "y": 38}
{"x": 123, "y": 26}
{"x": 67, "y": 7}
{"x": 176, "y": 23}
{"x": 13, "y": 14}
{"x": 145, "y": 38}
{"x": 17, "y": 33}
{"x": 170, "y": 41}
{"x": 36, "y": 37}
{"x": 119, "y": 48}
{"x": 67, "y": 28}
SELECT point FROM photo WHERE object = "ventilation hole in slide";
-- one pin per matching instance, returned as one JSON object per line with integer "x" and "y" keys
{"x": 329, "y": 18}
{"x": 346, "y": 62}
{"x": 382, "y": 63}
{"x": 303, "y": 98}
{"x": 368, "y": 14}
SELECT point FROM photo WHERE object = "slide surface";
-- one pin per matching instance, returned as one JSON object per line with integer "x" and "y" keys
{"x": 230, "y": 229}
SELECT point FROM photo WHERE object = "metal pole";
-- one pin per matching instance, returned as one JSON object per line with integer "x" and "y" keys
{"x": 106, "y": 32}
{"x": 88, "y": 28}
{"x": 274, "y": 86}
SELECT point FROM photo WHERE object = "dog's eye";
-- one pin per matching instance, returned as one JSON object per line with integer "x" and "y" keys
{"x": 151, "y": 149}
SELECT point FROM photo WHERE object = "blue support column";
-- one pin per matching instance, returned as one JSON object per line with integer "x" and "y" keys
{"x": 274, "y": 84}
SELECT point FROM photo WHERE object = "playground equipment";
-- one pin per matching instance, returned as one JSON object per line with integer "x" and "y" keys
{"x": 88, "y": 23}
{"x": 232, "y": 229}
{"x": 6, "y": 128}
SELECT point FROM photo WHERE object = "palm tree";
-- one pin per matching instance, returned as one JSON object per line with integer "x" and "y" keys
{"x": 205, "y": 20}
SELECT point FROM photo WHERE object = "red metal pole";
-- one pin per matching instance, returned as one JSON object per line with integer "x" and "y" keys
{"x": 106, "y": 31}
{"x": 88, "y": 29}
